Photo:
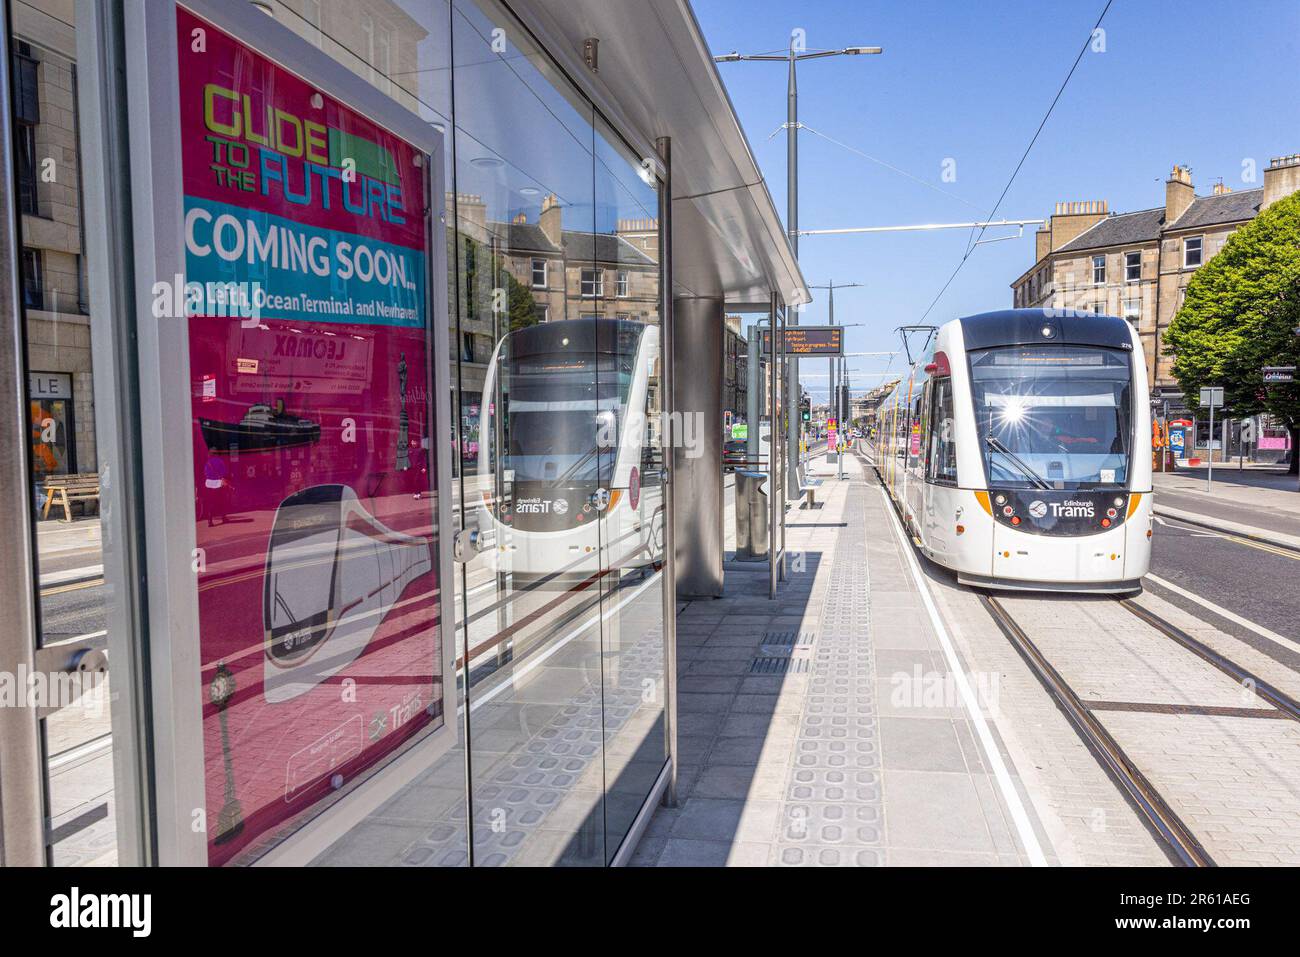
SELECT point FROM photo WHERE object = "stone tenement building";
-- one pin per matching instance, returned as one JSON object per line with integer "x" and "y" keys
{"x": 1137, "y": 265}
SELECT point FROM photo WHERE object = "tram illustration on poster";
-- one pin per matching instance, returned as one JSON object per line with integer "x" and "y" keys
{"x": 313, "y": 436}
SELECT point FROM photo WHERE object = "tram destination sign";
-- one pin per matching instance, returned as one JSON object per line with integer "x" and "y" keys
{"x": 1279, "y": 373}
{"x": 808, "y": 340}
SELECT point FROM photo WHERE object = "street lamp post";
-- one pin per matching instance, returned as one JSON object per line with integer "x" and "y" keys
{"x": 791, "y": 57}
{"x": 838, "y": 372}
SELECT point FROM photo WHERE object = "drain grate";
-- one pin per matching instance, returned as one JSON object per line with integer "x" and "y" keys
{"x": 795, "y": 639}
{"x": 773, "y": 665}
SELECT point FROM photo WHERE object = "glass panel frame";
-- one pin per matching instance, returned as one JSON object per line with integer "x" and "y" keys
{"x": 179, "y": 763}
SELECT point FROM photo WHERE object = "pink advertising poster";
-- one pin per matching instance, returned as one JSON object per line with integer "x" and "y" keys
{"x": 312, "y": 430}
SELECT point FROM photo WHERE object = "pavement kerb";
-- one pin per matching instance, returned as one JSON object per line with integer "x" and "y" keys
{"x": 1278, "y": 539}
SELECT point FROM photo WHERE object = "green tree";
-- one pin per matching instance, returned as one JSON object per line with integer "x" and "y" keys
{"x": 1240, "y": 314}
{"x": 472, "y": 272}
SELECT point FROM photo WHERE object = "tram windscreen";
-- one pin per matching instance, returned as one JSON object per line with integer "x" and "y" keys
{"x": 564, "y": 408}
{"x": 1054, "y": 416}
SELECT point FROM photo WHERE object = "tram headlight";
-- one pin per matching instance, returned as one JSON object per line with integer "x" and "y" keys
{"x": 1001, "y": 500}
{"x": 1007, "y": 510}
{"x": 1111, "y": 513}
{"x": 1119, "y": 501}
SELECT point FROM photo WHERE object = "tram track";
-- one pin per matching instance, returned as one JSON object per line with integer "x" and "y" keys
{"x": 1157, "y": 812}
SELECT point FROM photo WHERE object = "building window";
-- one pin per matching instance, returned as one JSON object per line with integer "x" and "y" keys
{"x": 1133, "y": 310}
{"x": 621, "y": 287}
{"x": 466, "y": 347}
{"x": 593, "y": 284}
{"x": 539, "y": 273}
{"x": 27, "y": 114}
{"x": 33, "y": 279}
{"x": 1132, "y": 266}
{"x": 25, "y": 147}
{"x": 1192, "y": 246}
{"x": 541, "y": 312}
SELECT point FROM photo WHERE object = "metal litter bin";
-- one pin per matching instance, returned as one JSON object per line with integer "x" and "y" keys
{"x": 751, "y": 516}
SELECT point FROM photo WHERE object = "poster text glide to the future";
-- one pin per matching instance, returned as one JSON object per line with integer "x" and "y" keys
{"x": 313, "y": 439}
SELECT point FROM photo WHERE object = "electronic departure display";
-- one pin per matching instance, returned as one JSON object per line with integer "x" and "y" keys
{"x": 809, "y": 340}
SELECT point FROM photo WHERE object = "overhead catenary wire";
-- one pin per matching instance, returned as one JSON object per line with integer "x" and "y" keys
{"x": 972, "y": 246}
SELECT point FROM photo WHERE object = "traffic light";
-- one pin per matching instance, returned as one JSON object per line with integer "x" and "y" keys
{"x": 805, "y": 409}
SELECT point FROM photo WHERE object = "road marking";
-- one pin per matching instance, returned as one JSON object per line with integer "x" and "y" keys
{"x": 1262, "y": 546}
{"x": 76, "y": 586}
{"x": 1008, "y": 788}
{"x": 92, "y": 748}
{"x": 1230, "y": 616}
{"x": 88, "y": 636}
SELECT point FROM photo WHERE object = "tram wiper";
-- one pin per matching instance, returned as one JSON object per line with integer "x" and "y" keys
{"x": 996, "y": 445}
{"x": 579, "y": 464}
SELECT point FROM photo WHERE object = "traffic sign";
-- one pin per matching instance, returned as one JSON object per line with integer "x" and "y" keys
{"x": 1279, "y": 373}
{"x": 1212, "y": 396}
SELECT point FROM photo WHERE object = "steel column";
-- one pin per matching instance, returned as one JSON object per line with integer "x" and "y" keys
{"x": 22, "y": 770}
{"x": 773, "y": 461}
{"x": 669, "y": 440}
{"x": 698, "y": 341}
{"x": 753, "y": 388}
{"x": 110, "y": 269}
{"x": 792, "y": 392}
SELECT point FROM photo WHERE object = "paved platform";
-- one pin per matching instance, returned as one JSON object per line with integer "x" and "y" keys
{"x": 822, "y": 728}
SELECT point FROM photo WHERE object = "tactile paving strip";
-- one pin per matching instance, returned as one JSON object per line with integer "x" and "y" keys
{"x": 538, "y": 779}
{"x": 832, "y": 813}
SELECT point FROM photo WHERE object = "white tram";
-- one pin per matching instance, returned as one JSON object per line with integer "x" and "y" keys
{"x": 1018, "y": 451}
{"x": 570, "y": 460}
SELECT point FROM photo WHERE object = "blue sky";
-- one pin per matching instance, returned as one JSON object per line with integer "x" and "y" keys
{"x": 1201, "y": 83}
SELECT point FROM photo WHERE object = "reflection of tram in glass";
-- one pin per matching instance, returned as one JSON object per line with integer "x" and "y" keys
{"x": 568, "y": 405}
{"x": 1018, "y": 451}
{"x": 333, "y": 572}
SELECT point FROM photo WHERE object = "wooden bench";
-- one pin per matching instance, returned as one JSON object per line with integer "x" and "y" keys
{"x": 65, "y": 489}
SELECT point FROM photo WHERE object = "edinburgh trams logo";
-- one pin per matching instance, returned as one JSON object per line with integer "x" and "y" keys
{"x": 1038, "y": 508}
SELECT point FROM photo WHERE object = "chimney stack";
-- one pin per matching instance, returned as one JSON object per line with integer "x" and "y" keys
{"x": 1069, "y": 219}
{"x": 1221, "y": 188}
{"x": 551, "y": 219}
{"x": 1281, "y": 178}
{"x": 1178, "y": 193}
